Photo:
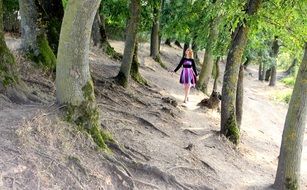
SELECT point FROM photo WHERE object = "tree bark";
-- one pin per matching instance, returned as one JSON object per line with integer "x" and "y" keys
{"x": 273, "y": 76}
{"x": 274, "y": 54}
{"x": 239, "y": 97}
{"x": 131, "y": 32}
{"x": 216, "y": 74}
{"x": 7, "y": 60}
{"x": 268, "y": 74}
{"x": 34, "y": 40}
{"x": 74, "y": 85}
{"x": 155, "y": 30}
{"x": 195, "y": 50}
{"x": 96, "y": 36}
{"x": 135, "y": 74}
{"x": 206, "y": 70}
{"x": 289, "y": 164}
{"x": 229, "y": 126}
{"x": 260, "y": 73}
{"x": 247, "y": 62}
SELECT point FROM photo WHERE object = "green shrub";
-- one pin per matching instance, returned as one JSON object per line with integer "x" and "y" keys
{"x": 288, "y": 81}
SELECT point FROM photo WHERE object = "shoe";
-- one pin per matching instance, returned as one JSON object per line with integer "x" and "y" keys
{"x": 187, "y": 99}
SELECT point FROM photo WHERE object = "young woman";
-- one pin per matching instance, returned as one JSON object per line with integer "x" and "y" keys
{"x": 188, "y": 73}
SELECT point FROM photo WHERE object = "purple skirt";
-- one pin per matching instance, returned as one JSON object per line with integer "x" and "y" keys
{"x": 187, "y": 77}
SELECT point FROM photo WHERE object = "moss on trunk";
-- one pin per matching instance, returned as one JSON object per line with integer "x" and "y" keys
{"x": 7, "y": 64}
{"x": 134, "y": 72}
{"x": 46, "y": 57}
{"x": 86, "y": 116}
{"x": 232, "y": 132}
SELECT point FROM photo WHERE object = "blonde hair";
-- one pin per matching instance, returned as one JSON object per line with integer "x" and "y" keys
{"x": 189, "y": 53}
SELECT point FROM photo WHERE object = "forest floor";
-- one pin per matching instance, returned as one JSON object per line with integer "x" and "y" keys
{"x": 162, "y": 142}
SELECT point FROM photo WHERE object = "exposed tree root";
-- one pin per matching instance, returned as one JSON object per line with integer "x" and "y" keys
{"x": 147, "y": 158}
{"x": 148, "y": 123}
{"x": 21, "y": 94}
{"x": 146, "y": 184}
{"x": 168, "y": 178}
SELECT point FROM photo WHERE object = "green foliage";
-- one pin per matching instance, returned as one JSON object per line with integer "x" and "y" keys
{"x": 64, "y": 3}
{"x": 289, "y": 81}
{"x": 116, "y": 13}
{"x": 284, "y": 96}
{"x": 10, "y": 5}
{"x": 7, "y": 60}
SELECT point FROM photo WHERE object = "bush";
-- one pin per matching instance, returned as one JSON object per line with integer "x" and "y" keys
{"x": 288, "y": 81}
{"x": 283, "y": 96}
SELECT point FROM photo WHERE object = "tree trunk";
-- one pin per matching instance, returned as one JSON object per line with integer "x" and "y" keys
{"x": 96, "y": 36}
{"x": 206, "y": 70}
{"x": 7, "y": 60}
{"x": 155, "y": 30}
{"x": 195, "y": 51}
{"x": 274, "y": 53}
{"x": 268, "y": 74}
{"x": 216, "y": 74}
{"x": 177, "y": 43}
{"x": 131, "y": 32}
{"x": 239, "y": 97}
{"x": 229, "y": 126}
{"x": 168, "y": 42}
{"x": 289, "y": 164}
{"x": 74, "y": 85}
{"x": 260, "y": 74}
{"x": 135, "y": 74}
{"x": 273, "y": 76}
{"x": 34, "y": 40}
{"x": 247, "y": 62}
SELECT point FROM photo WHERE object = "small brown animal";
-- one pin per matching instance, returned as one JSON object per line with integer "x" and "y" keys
{"x": 212, "y": 102}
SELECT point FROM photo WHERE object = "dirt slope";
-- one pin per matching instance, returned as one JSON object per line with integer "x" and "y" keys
{"x": 161, "y": 146}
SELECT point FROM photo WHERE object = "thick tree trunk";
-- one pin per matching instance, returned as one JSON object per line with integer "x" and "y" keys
{"x": 155, "y": 30}
{"x": 268, "y": 74}
{"x": 274, "y": 54}
{"x": 34, "y": 40}
{"x": 229, "y": 126}
{"x": 239, "y": 97}
{"x": 74, "y": 85}
{"x": 206, "y": 70}
{"x": 7, "y": 60}
{"x": 273, "y": 76}
{"x": 177, "y": 43}
{"x": 216, "y": 74}
{"x": 131, "y": 32}
{"x": 289, "y": 164}
{"x": 135, "y": 74}
{"x": 168, "y": 42}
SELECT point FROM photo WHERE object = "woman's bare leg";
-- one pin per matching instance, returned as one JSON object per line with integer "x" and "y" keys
{"x": 186, "y": 89}
{"x": 188, "y": 92}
